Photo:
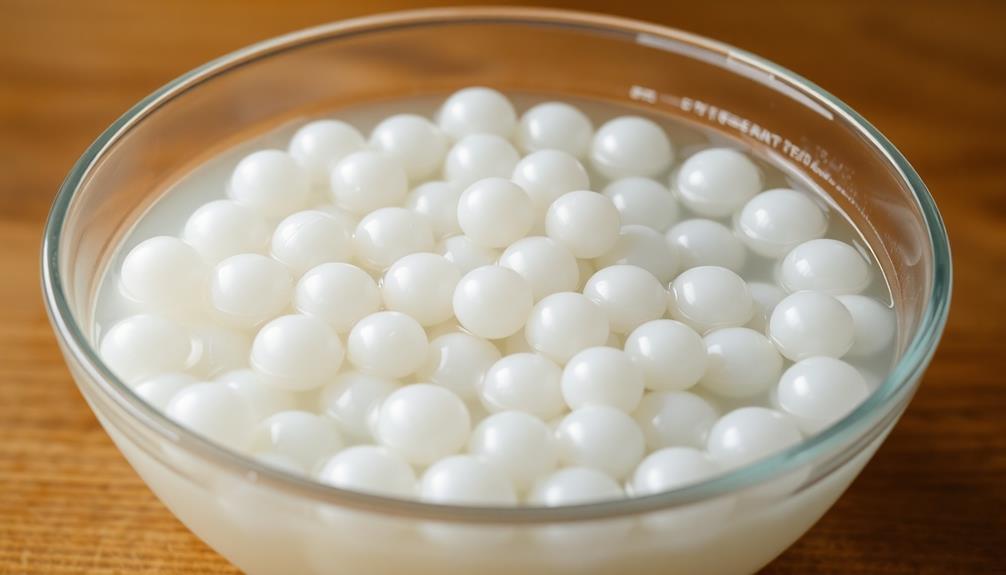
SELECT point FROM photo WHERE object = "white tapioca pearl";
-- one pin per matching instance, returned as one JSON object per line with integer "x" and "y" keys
{"x": 270, "y": 182}
{"x": 670, "y": 468}
{"x": 466, "y": 480}
{"x": 305, "y": 437}
{"x": 318, "y": 147}
{"x": 264, "y": 398}
{"x": 340, "y": 294}
{"x": 297, "y": 352}
{"x": 775, "y": 221}
{"x": 306, "y": 239}
{"x": 492, "y": 302}
{"x": 417, "y": 144}
{"x": 602, "y": 438}
{"x": 477, "y": 109}
{"x": 466, "y": 254}
{"x": 818, "y": 391}
{"x": 387, "y": 344}
{"x": 701, "y": 242}
{"x": 710, "y": 297}
{"x": 555, "y": 126}
{"x": 142, "y": 346}
{"x": 164, "y": 274}
{"x": 370, "y": 469}
{"x": 160, "y": 389}
{"x": 806, "y": 324}
{"x": 367, "y": 180}
{"x": 213, "y": 411}
{"x": 575, "y": 485}
{"x": 587, "y": 223}
{"x": 545, "y": 263}
{"x": 438, "y": 201}
{"x": 564, "y": 323}
{"x": 824, "y": 265}
{"x": 675, "y": 418}
{"x": 740, "y": 363}
{"x": 387, "y": 234}
{"x": 352, "y": 399}
{"x": 629, "y": 295}
{"x": 547, "y": 174}
{"x": 248, "y": 289}
{"x": 423, "y": 423}
{"x": 459, "y": 362}
{"x": 717, "y": 182}
{"x": 643, "y": 202}
{"x": 224, "y": 228}
{"x": 517, "y": 443}
{"x": 750, "y": 433}
{"x": 631, "y": 146}
{"x": 873, "y": 324}
{"x": 479, "y": 156}
{"x": 644, "y": 247}
{"x": 495, "y": 212}
{"x": 526, "y": 382}
{"x": 671, "y": 355}
{"x": 602, "y": 376}
{"x": 422, "y": 286}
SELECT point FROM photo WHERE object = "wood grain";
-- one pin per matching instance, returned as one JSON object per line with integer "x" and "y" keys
{"x": 930, "y": 74}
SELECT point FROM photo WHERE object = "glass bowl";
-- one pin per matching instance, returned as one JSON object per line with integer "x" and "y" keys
{"x": 267, "y": 521}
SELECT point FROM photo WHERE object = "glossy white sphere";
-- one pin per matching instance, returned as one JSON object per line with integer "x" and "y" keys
{"x": 387, "y": 234}
{"x": 602, "y": 438}
{"x": 702, "y": 242}
{"x": 458, "y": 361}
{"x": 564, "y": 323}
{"x": 710, "y": 297}
{"x": 806, "y": 323}
{"x": 775, "y": 221}
{"x": 352, "y": 399}
{"x": 310, "y": 238}
{"x": 716, "y": 182}
{"x": 644, "y": 247}
{"x": 367, "y": 180}
{"x": 587, "y": 223}
{"x": 766, "y": 296}
{"x": 643, "y": 202}
{"x": 416, "y": 143}
{"x": 159, "y": 390}
{"x": 555, "y": 126}
{"x": 525, "y": 382}
{"x": 305, "y": 437}
{"x": 318, "y": 147}
{"x": 387, "y": 344}
{"x": 547, "y": 174}
{"x": 466, "y": 480}
{"x": 422, "y": 286}
{"x": 602, "y": 376}
{"x": 466, "y": 254}
{"x": 629, "y": 295}
{"x": 545, "y": 263}
{"x": 671, "y": 355}
{"x": 873, "y": 323}
{"x": 340, "y": 294}
{"x": 370, "y": 469}
{"x": 479, "y": 156}
{"x": 574, "y": 485}
{"x": 492, "y": 302}
{"x": 163, "y": 273}
{"x": 824, "y": 265}
{"x": 248, "y": 289}
{"x": 224, "y": 228}
{"x": 671, "y": 468}
{"x": 423, "y": 423}
{"x": 818, "y": 391}
{"x": 270, "y": 182}
{"x": 631, "y": 146}
{"x": 264, "y": 398}
{"x": 740, "y": 363}
{"x": 475, "y": 110}
{"x": 217, "y": 349}
{"x": 142, "y": 346}
{"x": 438, "y": 201}
{"x": 516, "y": 443}
{"x": 495, "y": 212}
{"x": 297, "y": 352}
{"x": 749, "y": 433}
{"x": 213, "y": 411}
{"x": 675, "y": 418}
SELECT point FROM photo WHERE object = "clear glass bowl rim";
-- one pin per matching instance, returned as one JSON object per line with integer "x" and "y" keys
{"x": 896, "y": 388}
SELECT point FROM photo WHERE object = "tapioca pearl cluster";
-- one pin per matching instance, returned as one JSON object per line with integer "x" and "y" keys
{"x": 509, "y": 330}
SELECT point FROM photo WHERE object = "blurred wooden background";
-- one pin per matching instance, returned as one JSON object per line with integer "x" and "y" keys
{"x": 930, "y": 74}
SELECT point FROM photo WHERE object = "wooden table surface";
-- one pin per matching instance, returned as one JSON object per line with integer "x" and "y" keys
{"x": 930, "y": 74}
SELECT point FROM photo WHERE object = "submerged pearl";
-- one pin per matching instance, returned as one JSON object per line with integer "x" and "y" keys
{"x": 575, "y": 485}
{"x": 387, "y": 344}
{"x": 270, "y": 182}
{"x": 545, "y": 263}
{"x": 305, "y": 437}
{"x": 423, "y": 423}
{"x": 249, "y": 289}
{"x": 774, "y": 222}
{"x": 422, "y": 286}
{"x": 555, "y": 126}
{"x": 644, "y": 247}
{"x": 710, "y": 297}
{"x": 631, "y": 146}
{"x": 213, "y": 411}
{"x": 672, "y": 355}
{"x": 806, "y": 324}
{"x": 492, "y": 302}
{"x": 587, "y": 223}
{"x": 740, "y": 363}
{"x": 516, "y": 443}
{"x": 602, "y": 438}
{"x": 749, "y": 433}
{"x": 306, "y": 239}
{"x": 564, "y": 323}
{"x": 644, "y": 202}
{"x": 602, "y": 376}
{"x": 367, "y": 180}
{"x": 352, "y": 398}
{"x": 370, "y": 469}
{"x": 158, "y": 391}
{"x": 495, "y": 212}
{"x": 818, "y": 391}
{"x": 416, "y": 143}
{"x": 466, "y": 480}
{"x": 873, "y": 324}
{"x": 297, "y": 352}
{"x": 224, "y": 228}
{"x": 387, "y": 234}
{"x": 675, "y": 418}
{"x": 142, "y": 346}
{"x": 701, "y": 242}
{"x": 318, "y": 147}
{"x": 717, "y": 182}
{"x": 475, "y": 110}
{"x": 479, "y": 156}
{"x": 459, "y": 362}
{"x": 824, "y": 265}
{"x": 547, "y": 174}
{"x": 629, "y": 295}
{"x": 163, "y": 273}
{"x": 526, "y": 382}
{"x": 339, "y": 294}
{"x": 466, "y": 254}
